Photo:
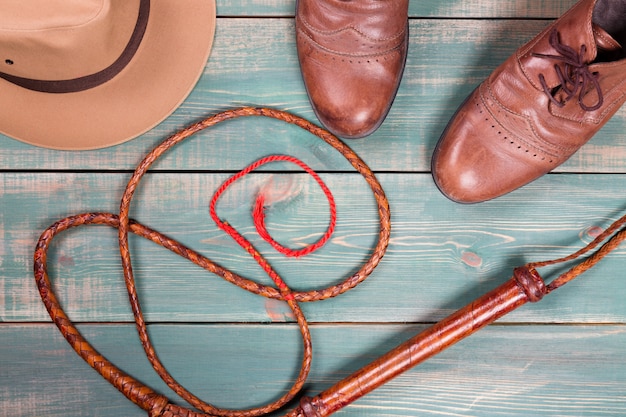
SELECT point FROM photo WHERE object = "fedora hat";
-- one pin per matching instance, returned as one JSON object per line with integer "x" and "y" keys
{"x": 87, "y": 74}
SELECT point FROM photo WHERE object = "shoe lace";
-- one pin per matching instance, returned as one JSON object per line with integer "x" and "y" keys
{"x": 575, "y": 75}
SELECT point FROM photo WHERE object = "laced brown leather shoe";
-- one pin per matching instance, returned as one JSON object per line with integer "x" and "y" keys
{"x": 352, "y": 55}
{"x": 537, "y": 108}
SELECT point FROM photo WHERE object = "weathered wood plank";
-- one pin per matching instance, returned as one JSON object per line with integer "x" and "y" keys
{"x": 501, "y": 370}
{"x": 254, "y": 63}
{"x": 441, "y": 8}
{"x": 442, "y": 255}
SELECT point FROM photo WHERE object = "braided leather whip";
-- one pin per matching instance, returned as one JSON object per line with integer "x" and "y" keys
{"x": 525, "y": 285}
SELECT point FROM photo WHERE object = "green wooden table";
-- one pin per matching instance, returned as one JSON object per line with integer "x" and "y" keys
{"x": 561, "y": 357}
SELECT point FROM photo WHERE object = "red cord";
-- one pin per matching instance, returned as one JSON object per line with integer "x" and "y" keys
{"x": 144, "y": 396}
{"x": 258, "y": 215}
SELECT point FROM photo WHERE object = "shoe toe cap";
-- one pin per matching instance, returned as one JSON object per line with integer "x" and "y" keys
{"x": 351, "y": 96}
{"x": 473, "y": 162}
{"x": 465, "y": 178}
{"x": 350, "y": 120}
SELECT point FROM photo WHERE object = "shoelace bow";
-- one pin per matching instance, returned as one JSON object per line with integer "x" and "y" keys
{"x": 575, "y": 75}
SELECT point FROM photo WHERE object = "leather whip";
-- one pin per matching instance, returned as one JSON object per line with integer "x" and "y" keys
{"x": 526, "y": 285}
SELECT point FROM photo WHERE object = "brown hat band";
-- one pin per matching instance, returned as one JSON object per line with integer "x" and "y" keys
{"x": 93, "y": 80}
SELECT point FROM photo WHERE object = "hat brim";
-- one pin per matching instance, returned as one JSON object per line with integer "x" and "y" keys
{"x": 170, "y": 60}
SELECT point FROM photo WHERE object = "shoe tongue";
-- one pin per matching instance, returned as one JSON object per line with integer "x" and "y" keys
{"x": 604, "y": 41}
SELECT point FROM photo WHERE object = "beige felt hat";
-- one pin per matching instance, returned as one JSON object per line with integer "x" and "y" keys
{"x": 86, "y": 74}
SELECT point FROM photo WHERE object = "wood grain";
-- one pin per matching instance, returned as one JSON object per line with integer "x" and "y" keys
{"x": 441, "y": 255}
{"x": 255, "y": 63}
{"x": 560, "y": 357}
{"x": 417, "y": 9}
{"x": 502, "y": 370}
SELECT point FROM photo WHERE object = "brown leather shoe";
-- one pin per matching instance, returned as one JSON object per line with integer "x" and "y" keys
{"x": 537, "y": 108}
{"x": 352, "y": 55}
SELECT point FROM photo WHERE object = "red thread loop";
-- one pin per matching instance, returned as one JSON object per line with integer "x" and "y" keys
{"x": 142, "y": 395}
{"x": 258, "y": 215}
